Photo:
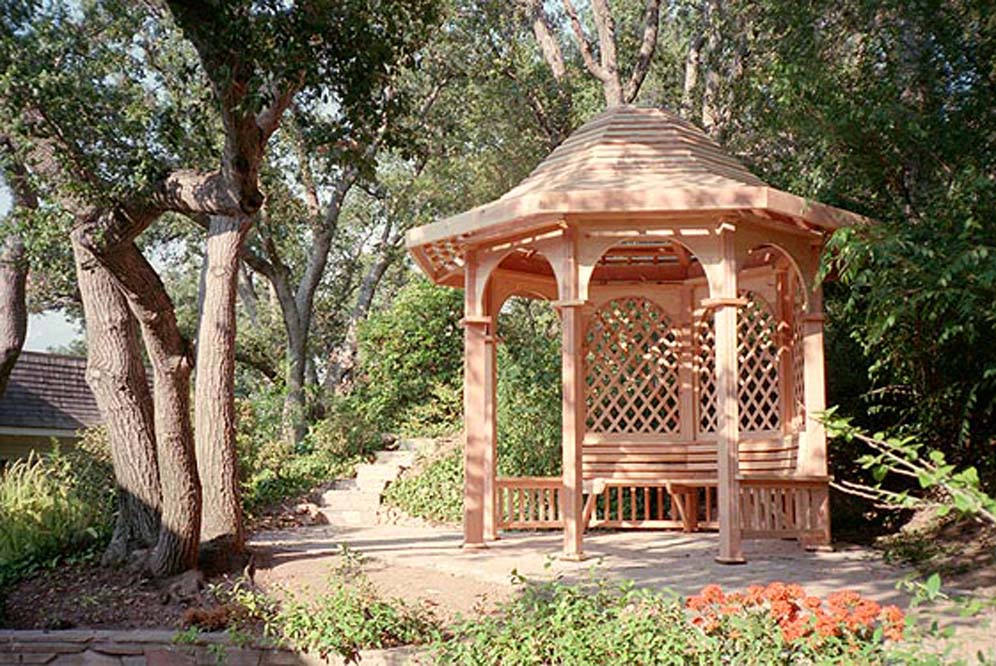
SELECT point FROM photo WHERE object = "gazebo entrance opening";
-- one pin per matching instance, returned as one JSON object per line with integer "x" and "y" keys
{"x": 692, "y": 338}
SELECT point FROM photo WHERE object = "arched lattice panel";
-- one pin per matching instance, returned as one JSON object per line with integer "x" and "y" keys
{"x": 757, "y": 361}
{"x": 631, "y": 370}
{"x": 798, "y": 363}
{"x": 705, "y": 372}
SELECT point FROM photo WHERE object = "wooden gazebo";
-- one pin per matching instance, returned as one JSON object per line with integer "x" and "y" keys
{"x": 692, "y": 337}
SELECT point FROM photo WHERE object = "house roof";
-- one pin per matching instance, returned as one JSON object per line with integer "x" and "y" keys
{"x": 626, "y": 160}
{"x": 48, "y": 392}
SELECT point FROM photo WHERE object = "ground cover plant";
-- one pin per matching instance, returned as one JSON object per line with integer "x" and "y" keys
{"x": 348, "y": 616}
{"x": 601, "y": 623}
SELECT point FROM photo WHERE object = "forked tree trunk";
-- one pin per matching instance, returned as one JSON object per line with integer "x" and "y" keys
{"x": 222, "y": 531}
{"x": 180, "y": 526}
{"x": 116, "y": 376}
{"x": 13, "y": 308}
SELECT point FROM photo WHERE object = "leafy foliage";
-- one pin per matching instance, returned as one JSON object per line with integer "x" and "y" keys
{"x": 600, "y": 623}
{"x": 272, "y": 470}
{"x": 434, "y": 493}
{"x": 410, "y": 353}
{"x": 55, "y": 503}
{"x": 343, "y": 620}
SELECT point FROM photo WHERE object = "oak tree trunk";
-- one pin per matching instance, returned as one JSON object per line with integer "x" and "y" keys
{"x": 180, "y": 526}
{"x": 222, "y": 533}
{"x": 117, "y": 377}
{"x": 13, "y": 308}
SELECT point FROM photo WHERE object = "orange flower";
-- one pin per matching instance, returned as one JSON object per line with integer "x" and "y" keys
{"x": 696, "y": 603}
{"x": 755, "y": 594}
{"x": 713, "y": 594}
{"x": 812, "y": 603}
{"x": 794, "y": 591}
{"x": 844, "y": 599}
{"x": 775, "y": 591}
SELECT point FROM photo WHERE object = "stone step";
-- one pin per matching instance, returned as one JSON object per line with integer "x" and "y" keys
{"x": 350, "y": 517}
{"x": 366, "y": 473}
{"x": 353, "y": 498}
{"x": 417, "y": 444}
{"x": 399, "y": 458}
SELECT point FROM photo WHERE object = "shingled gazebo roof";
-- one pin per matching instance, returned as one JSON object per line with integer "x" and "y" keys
{"x": 627, "y": 160}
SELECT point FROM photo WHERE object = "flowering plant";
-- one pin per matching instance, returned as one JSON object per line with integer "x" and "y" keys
{"x": 843, "y": 620}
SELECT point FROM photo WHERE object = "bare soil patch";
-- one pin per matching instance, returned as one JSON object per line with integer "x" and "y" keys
{"x": 89, "y": 596}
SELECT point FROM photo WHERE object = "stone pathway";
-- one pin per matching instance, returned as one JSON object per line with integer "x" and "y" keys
{"x": 356, "y": 502}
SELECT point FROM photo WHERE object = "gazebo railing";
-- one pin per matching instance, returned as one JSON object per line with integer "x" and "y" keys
{"x": 774, "y": 507}
{"x": 651, "y": 504}
{"x": 771, "y": 507}
{"x": 530, "y": 502}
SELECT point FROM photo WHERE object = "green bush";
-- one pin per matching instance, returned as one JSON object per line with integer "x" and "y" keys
{"x": 55, "y": 503}
{"x": 411, "y": 359}
{"x": 272, "y": 470}
{"x": 347, "y": 618}
{"x": 435, "y": 493}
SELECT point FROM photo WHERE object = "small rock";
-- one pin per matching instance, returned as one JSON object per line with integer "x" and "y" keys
{"x": 183, "y": 587}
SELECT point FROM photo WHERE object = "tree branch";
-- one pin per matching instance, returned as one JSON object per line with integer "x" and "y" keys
{"x": 651, "y": 27}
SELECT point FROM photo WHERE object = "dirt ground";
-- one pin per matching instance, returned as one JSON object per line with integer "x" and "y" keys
{"x": 424, "y": 565}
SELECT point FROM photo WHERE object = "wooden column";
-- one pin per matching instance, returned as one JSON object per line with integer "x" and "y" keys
{"x": 491, "y": 426}
{"x": 478, "y": 409}
{"x": 813, "y": 447}
{"x": 725, "y": 303}
{"x": 573, "y": 428}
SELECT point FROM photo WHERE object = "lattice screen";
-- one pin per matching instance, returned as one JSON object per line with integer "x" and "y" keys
{"x": 631, "y": 369}
{"x": 798, "y": 363}
{"x": 705, "y": 372}
{"x": 757, "y": 360}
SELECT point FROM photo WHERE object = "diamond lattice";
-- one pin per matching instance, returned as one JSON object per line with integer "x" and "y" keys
{"x": 757, "y": 360}
{"x": 798, "y": 365}
{"x": 631, "y": 369}
{"x": 705, "y": 372}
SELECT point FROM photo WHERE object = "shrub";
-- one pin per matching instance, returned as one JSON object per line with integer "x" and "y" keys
{"x": 272, "y": 470}
{"x": 54, "y": 503}
{"x": 596, "y": 623}
{"x": 435, "y": 493}
{"x": 411, "y": 356}
{"x": 349, "y": 617}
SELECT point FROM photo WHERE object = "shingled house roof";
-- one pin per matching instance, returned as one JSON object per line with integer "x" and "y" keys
{"x": 48, "y": 392}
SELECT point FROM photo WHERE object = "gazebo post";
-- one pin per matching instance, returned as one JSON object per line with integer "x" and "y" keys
{"x": 572, "y": 397}
{"x": 491, "y": 419}
{"x": 476, "y": 396}
{"x": 725, "y": 303}
{"x": 813, "y": 452}
{"x": 572, "y": 429}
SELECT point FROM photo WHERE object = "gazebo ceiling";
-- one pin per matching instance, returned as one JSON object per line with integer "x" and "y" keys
{"x": 626, "y": 162}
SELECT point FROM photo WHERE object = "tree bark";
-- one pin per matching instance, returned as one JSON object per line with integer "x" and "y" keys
{"x": 179, "y": 533}
{"x": 342, "y": 361}
{"x": 116, "y": 376}
{"x": 710, "y": 93}
{"x": 13, "y": 307}
{"x": 692, "y": 63}
{"x": 222, "y": 532}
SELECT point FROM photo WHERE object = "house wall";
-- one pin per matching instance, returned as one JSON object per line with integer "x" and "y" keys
{"x": 17, "y": 446}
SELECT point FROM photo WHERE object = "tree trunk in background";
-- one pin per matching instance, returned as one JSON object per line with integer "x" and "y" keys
{"x": 116, "y": 376}
{"x": 710, "y": 94}
{"x": 13, "y": 308}
{"x": 692, "y": 63}
{"x": 222, "y": 533}
{"x": 342, "y": 361}
{"x": 180, "y": 526}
